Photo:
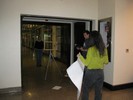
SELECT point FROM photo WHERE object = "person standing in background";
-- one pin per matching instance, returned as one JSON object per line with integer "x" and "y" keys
{"x": 39, "y": 46}
{"x": 94, "y": 62}
{"x": 87, "y": 43}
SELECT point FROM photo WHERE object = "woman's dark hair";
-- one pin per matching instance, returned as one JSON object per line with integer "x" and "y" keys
{"x": 98, "y": 42}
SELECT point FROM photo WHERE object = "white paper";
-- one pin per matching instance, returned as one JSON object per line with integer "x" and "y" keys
{"x": 56, "y": 87}
{"x": 81, "y": 64}
{"x": 75, "y": 73}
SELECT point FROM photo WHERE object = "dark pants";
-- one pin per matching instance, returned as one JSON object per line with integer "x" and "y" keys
{"x": 92, "y": 78}
{"x": 39, "y": 53}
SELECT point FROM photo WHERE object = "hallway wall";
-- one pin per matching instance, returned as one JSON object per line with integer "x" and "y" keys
{"x": 123, "y": 63}
{"x": 119, "y": 71}
{"x": 10, "y": 29}
{"x": 106, "y": 9}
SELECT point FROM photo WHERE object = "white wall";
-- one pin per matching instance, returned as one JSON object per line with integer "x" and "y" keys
{"x": 10, "y": 11}
{"x": 119, "y": 71}
{"x": 10, "y": 73}
{"x": 123, "y": 63}
{"x": 106, "y": 9}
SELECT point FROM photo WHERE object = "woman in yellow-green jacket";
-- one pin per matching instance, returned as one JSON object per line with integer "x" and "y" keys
{"x": 94, "y": 63}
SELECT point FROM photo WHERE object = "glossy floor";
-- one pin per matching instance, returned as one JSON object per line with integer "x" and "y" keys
{"x": 37, "y": 85}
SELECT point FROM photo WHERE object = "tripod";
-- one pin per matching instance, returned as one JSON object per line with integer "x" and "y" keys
{"x": 49, "y": 63}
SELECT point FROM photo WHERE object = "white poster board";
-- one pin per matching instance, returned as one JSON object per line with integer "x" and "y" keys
{"x": 75, "y": 73}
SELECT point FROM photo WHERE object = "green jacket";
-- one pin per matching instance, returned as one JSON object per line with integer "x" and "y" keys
{"x": 93, "y": 59}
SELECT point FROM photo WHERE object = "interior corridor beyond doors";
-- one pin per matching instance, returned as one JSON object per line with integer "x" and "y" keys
{"x": 59, "y": 37}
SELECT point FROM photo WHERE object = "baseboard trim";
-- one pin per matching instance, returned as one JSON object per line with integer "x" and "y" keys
{"x": 118, "y": 87}
{"x": 11, "y": 90}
